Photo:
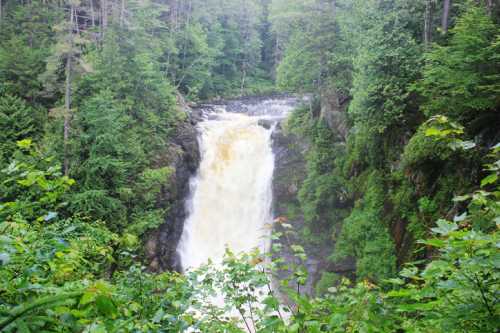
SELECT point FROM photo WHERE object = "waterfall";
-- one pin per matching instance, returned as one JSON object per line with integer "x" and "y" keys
{"x": 231, "y": 199}
{"x": 231, "y": 195}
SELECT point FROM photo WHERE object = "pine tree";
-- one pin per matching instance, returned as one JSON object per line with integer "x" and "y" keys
{"x": 456, "y": 83}
{"x": 18, "y": 121}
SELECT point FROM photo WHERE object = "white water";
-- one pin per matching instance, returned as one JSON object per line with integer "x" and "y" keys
{"x": 231, "y": 195}
{"x": 231, "y": 199}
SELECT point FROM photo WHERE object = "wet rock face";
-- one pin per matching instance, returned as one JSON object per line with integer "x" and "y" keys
{"x": 183, "y": 156}
{"x": 266, "y": 123}
{"x": 289, "y": 174}
{"x": 290, "y": 171}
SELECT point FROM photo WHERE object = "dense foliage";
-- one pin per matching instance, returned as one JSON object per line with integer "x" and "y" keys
{"x": 402, "y": 179}
{"x": 377, "y": 182}
{"x": 73, "y": 274}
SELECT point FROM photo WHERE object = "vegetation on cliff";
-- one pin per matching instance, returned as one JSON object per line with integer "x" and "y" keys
{"x": 381, "y": 187}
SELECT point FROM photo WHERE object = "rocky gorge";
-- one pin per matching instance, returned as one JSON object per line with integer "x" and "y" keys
{"x": 290, "y": 170}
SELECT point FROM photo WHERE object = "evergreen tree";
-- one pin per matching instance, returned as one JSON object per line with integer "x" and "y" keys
{"x": 27, "y": 37}
{"x": 461, "y": 78}
{"x": 18, "y": 121}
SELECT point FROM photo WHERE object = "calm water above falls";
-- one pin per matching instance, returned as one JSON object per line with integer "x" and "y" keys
{"x": 231, "y": 196}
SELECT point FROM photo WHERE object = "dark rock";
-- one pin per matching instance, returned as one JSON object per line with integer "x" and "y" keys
{"x": 266, "y": 123}
{"x": 346, "y": 267}
{"x": 183, "y": 155}
{"x": 333, "y": 111}
{"x": 289, "y": 174}
{"x": 195, "y": 115}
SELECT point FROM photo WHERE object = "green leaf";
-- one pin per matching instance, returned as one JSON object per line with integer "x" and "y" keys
{"x": 24, "y": 144}
{"x": 97, "y": 328}
{"x": 418, "y": 306}
{"x": 294, "y": 327}
{"x": 158, "y": 316}
{"x": 491, "y": 179}
{"x": 434, "y": 242}
{"x": 105, "y": 305}
{"x": 401, "y": 293}
{"x": 466, "y": 145}
{"x": 297, "y": 249}
{"x": 395, "y": 281}
{"x": 433, "y": 131}
{"x": 409, "y": 272}
{"x": 22, "y": 327}
{"x": 444, "y": 227}
{"x": 460, "y": 218}
{"x": 461, "y": 198}
{"x": 88, "y": 297}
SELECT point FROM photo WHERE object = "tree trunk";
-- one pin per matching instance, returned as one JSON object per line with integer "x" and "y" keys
{"x": 92, "y": 13}
{"x": 428, "y": 23}
{"x": 490, "y": 6}
{"x": 1, "y": 12}
{"x": 67, "y": 114}
{"x": 122, "y": 13}
{"x": 243, "y": 78}
{"x": 446, "y": 15}
{"x": 104, "y": 17}
{"x": 67, "y": 96}
{"x": 76, "y": 24}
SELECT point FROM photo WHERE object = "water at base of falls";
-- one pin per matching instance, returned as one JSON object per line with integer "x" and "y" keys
{"x": 231, "y": 195}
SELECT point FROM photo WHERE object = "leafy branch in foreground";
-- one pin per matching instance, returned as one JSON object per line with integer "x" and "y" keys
{"x": 67, "y": 275}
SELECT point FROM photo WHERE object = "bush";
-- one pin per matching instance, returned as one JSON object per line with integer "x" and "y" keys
{"x": 327, "y": 281}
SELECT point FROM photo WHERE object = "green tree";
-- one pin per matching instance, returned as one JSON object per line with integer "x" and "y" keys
{"x": 385, "y": 65}
{"x": 461, "y": 78}
{"x": 18, "y": 121}
{"x": 315, "y": 50}
{"x": 27, "y": 37}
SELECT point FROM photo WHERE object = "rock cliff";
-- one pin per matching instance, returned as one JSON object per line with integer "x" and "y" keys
{"x": 182, "y": 155}
{"x": 289, "y": 174}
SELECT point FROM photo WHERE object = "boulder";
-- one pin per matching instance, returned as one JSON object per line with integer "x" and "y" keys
{"x": 266, "y": 123}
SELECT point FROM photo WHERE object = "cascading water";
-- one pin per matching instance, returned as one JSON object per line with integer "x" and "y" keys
{"x": 231, "y": 196}
{"x": 231, "y": 202}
